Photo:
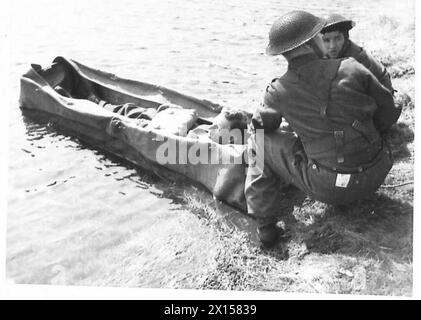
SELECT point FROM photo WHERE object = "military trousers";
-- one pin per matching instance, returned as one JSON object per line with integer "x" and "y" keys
{"x": 279, "y": 159}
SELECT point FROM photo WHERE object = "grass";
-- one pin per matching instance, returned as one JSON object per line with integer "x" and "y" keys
{"x": 365, "y": 248}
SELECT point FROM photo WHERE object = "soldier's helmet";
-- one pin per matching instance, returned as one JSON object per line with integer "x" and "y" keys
{"x": 292, "y": 30}
{"x": 337, "y": 22}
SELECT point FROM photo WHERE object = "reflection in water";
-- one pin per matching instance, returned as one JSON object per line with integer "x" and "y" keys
{"x": 39, "y": 127}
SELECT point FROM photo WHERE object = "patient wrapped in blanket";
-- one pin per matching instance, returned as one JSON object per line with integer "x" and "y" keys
{"x": 229, "y": 127}
{"x": 168, "y": 117}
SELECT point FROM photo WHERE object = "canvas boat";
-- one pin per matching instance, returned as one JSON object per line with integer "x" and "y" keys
{"x": 154, "y": 145}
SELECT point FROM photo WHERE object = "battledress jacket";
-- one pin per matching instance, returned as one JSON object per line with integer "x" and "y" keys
{"x": 358, "y": 53}
{"x": 337, "y": 107}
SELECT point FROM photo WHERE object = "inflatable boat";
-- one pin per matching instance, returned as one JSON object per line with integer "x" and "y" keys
{"x": 151, "y": 143}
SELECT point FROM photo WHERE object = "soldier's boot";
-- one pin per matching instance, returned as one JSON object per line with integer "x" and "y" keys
{"x": 269, "y": 233}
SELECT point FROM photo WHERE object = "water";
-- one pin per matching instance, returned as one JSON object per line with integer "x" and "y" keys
{"x": 78, "y": 216}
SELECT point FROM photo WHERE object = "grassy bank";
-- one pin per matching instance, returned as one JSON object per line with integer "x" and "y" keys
{"x": 365, "y": 248}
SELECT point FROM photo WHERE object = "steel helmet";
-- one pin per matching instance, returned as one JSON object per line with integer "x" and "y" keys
{"x": 292, "y": 30}
{"x": 336, "y": 21}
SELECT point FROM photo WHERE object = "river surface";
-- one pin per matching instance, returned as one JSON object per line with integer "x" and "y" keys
{"x": 79, "y": 216}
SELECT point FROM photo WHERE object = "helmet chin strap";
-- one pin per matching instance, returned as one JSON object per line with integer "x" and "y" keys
{"x": 319, "y": 52}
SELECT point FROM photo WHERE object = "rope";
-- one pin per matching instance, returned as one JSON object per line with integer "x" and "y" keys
{"x": 397, "y": 185}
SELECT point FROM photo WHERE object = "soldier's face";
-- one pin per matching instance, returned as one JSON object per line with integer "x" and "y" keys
{"x": 333, "y": 41}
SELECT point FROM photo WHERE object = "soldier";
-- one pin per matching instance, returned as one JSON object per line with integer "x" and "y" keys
{"x": 338, "y": 45}
{"x": 337, "y": 110}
